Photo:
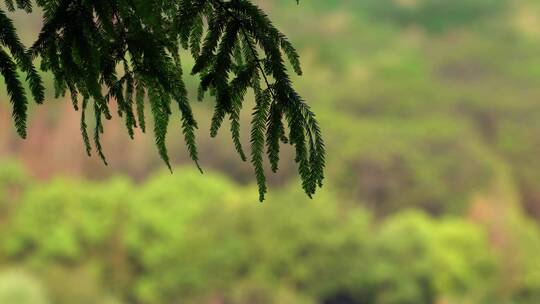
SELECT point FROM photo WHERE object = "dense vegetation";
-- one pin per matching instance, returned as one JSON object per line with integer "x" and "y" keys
{"x": 111, "y": 242}
{"x": 430, "y": 110}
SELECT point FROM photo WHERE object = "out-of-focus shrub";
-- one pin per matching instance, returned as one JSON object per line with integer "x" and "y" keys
{"x": 419, "y": 260}
{"x": 70, "y": 214}
{"x": 160, "y": 240}
{"x": 82, "y": 283}
{"x": 14, "y": 181}
{"x": 520, "y": 260}
{"x": 66, "y": 230}
{"x": 194, "y": 238}
{"x": 254, "y": 290}
{"x": 432, "y": 164}
{"x": 434, "y": 15}
{"x": 18, "y": 287}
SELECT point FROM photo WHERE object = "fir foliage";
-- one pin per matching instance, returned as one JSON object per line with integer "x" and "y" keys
{"x": 128, "y": 52}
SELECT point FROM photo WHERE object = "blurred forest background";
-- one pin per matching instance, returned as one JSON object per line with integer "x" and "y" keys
{"x": 431, "y": 113}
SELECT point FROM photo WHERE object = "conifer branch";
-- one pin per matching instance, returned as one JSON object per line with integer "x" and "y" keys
{"x": 128, "y": 53}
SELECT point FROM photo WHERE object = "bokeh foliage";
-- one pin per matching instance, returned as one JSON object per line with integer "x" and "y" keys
{"x": 214, "y": 244}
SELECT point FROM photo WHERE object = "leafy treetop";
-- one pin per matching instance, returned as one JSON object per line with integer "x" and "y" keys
{"x": 128, "y": 52}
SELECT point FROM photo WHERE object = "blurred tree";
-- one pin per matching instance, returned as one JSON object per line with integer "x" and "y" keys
{"x": 132, "y": 49}
{"x": 433, "y": 15}
{"x": 21, "y": 288}
{"x": 421, "y": 261}
{"x": 395, "y": 164}
{"x": 213, "y": 246}
{"x": 13, "y": 182}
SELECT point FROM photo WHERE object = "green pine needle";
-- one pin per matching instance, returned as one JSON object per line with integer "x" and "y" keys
{"x": 131, "y": 51}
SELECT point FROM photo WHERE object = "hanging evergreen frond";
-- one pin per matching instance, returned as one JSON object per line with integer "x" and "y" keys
{"x": 8, "y": 69}
{"x": 128, "y": 53}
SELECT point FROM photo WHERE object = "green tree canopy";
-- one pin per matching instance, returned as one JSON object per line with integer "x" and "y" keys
{"x": 127, "y": 52}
